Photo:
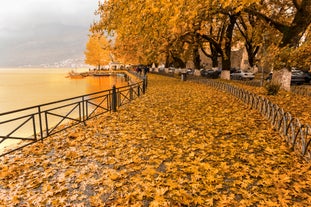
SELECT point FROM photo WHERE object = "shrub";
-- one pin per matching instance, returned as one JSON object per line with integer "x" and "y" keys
{"x": 272, "y": 88}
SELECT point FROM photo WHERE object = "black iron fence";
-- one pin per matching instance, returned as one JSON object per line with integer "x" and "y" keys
{"x": 296, "y": 134}
{"x": 301, "y": 90}
{"x": 254, "y": 83}
{"x": 23, "y": 127}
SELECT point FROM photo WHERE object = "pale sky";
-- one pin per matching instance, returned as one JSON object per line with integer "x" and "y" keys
{"x": 28, "y": 25}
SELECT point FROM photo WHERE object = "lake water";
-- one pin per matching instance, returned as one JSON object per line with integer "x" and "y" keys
{"x": 21, "y": 88}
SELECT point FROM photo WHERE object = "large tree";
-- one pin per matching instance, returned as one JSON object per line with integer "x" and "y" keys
{"x": 98, "y": 52}
{"x": 139, "y": 27}
{"x": 290, "y": 17}
{"x": 173, "y": 32}
{"x": 250, "y": 30}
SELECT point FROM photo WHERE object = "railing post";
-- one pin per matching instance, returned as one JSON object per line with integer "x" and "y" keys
{"x": 131, "y": 94}
{"x": 114, "y": 99}
{"x": 138, "y": 90}
{"x": 83, "y": 110}
{"x": 46, "y": 124}
{"x": 40, "y": 122}
{"x": 83, "y": 116}
{"x": 119, "y": 101}
{"x": 144, "y": 84}
{"x": 34, "y": 127}
{"x": 41, "y": 118}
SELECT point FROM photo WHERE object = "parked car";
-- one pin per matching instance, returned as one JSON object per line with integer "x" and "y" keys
{"x": 242, "y": 75}
{"x": 233, "y": 70}
{"x": 161, "y": 68}
{"x": 171, "y": 69}
{"x": 299, "y": 77}
{"x": 190, "y": 71}
{"x": 308, "y": 77}
{"x": 210, "y": 73}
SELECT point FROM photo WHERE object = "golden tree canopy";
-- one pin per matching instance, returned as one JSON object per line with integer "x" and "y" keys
{"x": 147, "y": 31}
{"x": 97, "y": 51}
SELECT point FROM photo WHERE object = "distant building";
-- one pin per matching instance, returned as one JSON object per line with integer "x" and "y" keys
{"x": 239, "y": 60}
{"x": 115, "y": 65}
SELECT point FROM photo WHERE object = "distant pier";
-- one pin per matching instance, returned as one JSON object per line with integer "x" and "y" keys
{"x": 73, "y": 74}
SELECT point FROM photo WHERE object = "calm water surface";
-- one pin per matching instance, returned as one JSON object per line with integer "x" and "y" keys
{"x": 21, "y": 88}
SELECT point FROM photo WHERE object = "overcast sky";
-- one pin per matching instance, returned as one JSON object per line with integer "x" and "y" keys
{"x": 31, "y": 28}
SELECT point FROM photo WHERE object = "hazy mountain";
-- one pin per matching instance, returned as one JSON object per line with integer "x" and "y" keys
{"x": 43, "y": 44}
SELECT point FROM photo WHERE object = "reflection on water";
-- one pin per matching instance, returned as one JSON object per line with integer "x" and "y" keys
{"x": 20, "y": 88}
{"x": 100, "y": 83}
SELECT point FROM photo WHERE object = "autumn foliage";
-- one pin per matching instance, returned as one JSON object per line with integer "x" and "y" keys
{"x": 97, "y": 51}
{"x": 180, "y": 144}
{"x": 176, "y": 32}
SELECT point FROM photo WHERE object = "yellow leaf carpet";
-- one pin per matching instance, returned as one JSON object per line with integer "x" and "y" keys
{"x": 180, "y": 144}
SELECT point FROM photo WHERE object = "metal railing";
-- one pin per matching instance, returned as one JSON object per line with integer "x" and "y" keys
{"x": 301, "y": 90}
{"x": 26, "y": 126}
{"x": 304, "y": 90}
{"x": 296, "y": 134}
{"x": 254, "y": 83}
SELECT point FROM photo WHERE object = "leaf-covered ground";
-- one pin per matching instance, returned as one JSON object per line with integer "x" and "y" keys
{"x": 181, "y": 144}
{"x": 297, "y": 105}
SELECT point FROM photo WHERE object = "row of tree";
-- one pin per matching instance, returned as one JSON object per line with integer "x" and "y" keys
{"x": 174, "y": 32}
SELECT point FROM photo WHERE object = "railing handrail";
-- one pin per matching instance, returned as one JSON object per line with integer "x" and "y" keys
{"x": 64, "y": 100}
{"x": 288, "y": 127}
{"x": 38, "y": 116}
{"x": 296, "y": 134}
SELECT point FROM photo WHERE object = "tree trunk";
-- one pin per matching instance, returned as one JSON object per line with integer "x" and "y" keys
{"x": 302, "y": 19}
{"x": 178, "y": 62}
{"x": 167, "y": 60}
{"x": 196, "y": 57}
{"x": 214, "y": 61}
{"x": 251, "y": 52}
{"x": 214, "y": 58}
{"x": 292, "y": 33}
{"x": 226, "y": 64}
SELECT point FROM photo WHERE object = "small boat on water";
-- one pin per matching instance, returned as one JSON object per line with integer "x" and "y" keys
{"x": 75, "y": 75}
{"x": 121, "y": 74}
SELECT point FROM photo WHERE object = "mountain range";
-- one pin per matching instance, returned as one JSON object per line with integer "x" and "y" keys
{"x": 43, "y": 44}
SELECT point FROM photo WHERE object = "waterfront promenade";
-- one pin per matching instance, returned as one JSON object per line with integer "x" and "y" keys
{"x": 180, "y": 144}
